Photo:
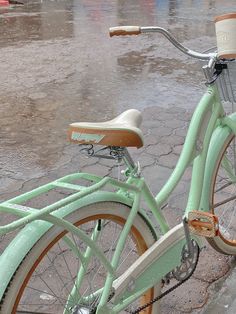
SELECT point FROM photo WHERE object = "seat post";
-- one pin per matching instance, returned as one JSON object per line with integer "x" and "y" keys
{"x": 128, "y": 159}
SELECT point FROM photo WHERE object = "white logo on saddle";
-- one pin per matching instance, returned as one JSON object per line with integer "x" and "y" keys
{"x": 95, "y": 138}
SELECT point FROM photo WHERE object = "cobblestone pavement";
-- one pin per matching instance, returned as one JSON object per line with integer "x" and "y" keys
{"x": 164, "y": 131}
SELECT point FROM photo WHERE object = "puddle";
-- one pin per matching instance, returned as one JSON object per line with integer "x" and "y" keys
{"x": 58, "y": 65}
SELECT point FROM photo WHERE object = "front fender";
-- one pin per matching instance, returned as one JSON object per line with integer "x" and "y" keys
{"x": 218, "y": 142}
{"x": 31, "y": 233}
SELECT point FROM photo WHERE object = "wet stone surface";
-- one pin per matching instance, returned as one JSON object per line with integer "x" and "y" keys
{"x": 58, "y": 65}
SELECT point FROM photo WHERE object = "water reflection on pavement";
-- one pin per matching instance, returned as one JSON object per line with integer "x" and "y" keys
{"x": 58, "y": 65}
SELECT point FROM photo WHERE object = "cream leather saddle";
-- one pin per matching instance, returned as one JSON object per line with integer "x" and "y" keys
{"x": 123, "y": 131}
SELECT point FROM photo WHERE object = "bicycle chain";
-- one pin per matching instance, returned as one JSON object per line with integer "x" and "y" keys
{"x": 141, "y": 308}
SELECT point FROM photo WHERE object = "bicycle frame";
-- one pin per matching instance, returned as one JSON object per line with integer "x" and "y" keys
{"x": 200, "y": 144}
{"x": 207, "y": 116}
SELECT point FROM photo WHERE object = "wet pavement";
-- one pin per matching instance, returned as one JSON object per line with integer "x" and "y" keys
{"x": 58, "y": 65}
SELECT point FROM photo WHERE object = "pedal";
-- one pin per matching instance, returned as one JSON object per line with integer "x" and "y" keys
{"x": 203, "y": 224}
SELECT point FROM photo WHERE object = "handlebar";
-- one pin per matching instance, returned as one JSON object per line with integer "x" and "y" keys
{"x": 136, "y": 30}
{"x": 124, "y": 30}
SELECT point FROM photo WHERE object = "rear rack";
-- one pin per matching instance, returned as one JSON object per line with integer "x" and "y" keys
{"x": 28, "y": 214}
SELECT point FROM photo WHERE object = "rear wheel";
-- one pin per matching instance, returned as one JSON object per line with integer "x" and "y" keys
{"x": 47, "y": 280}
{"x": 223, "y": 198}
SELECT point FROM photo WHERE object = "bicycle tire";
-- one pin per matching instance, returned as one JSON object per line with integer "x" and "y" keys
{"x": 223, "y": 189}
{"x": 46, "y": 258}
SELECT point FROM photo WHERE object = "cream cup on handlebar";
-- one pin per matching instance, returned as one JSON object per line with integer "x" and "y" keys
{"x": 226, "y": 35}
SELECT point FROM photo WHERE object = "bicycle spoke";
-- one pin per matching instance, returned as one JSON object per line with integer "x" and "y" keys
{"x": 49, "y": 294}
{"x": 30, "y": 312}
{"x": 225, "y": 194}
{"x": 223, "y": 187}
{"x": 225, "y": 201}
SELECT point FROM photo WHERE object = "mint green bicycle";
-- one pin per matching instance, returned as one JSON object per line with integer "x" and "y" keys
{"x": 96, "y": 250}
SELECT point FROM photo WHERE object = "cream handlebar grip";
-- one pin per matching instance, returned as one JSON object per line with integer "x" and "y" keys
{"x": 124, "y": 30}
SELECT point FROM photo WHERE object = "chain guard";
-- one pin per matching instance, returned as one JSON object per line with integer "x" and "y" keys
{"x": 182, "y": 274}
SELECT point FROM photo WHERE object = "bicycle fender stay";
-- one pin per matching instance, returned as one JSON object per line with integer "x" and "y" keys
{"x": 218, "y": 140}
{"x": 32, "y": 232}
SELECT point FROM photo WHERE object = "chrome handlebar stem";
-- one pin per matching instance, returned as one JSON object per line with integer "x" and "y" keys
{"x": 171, "y": 38}
{"x": 210, "y": 57}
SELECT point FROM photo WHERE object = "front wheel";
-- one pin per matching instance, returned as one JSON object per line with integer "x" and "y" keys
{"x": 223, "y": 197}
{"x": 52, "y": 279}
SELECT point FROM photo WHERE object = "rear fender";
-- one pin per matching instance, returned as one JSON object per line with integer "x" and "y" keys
{"x": 31, "y": 233}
